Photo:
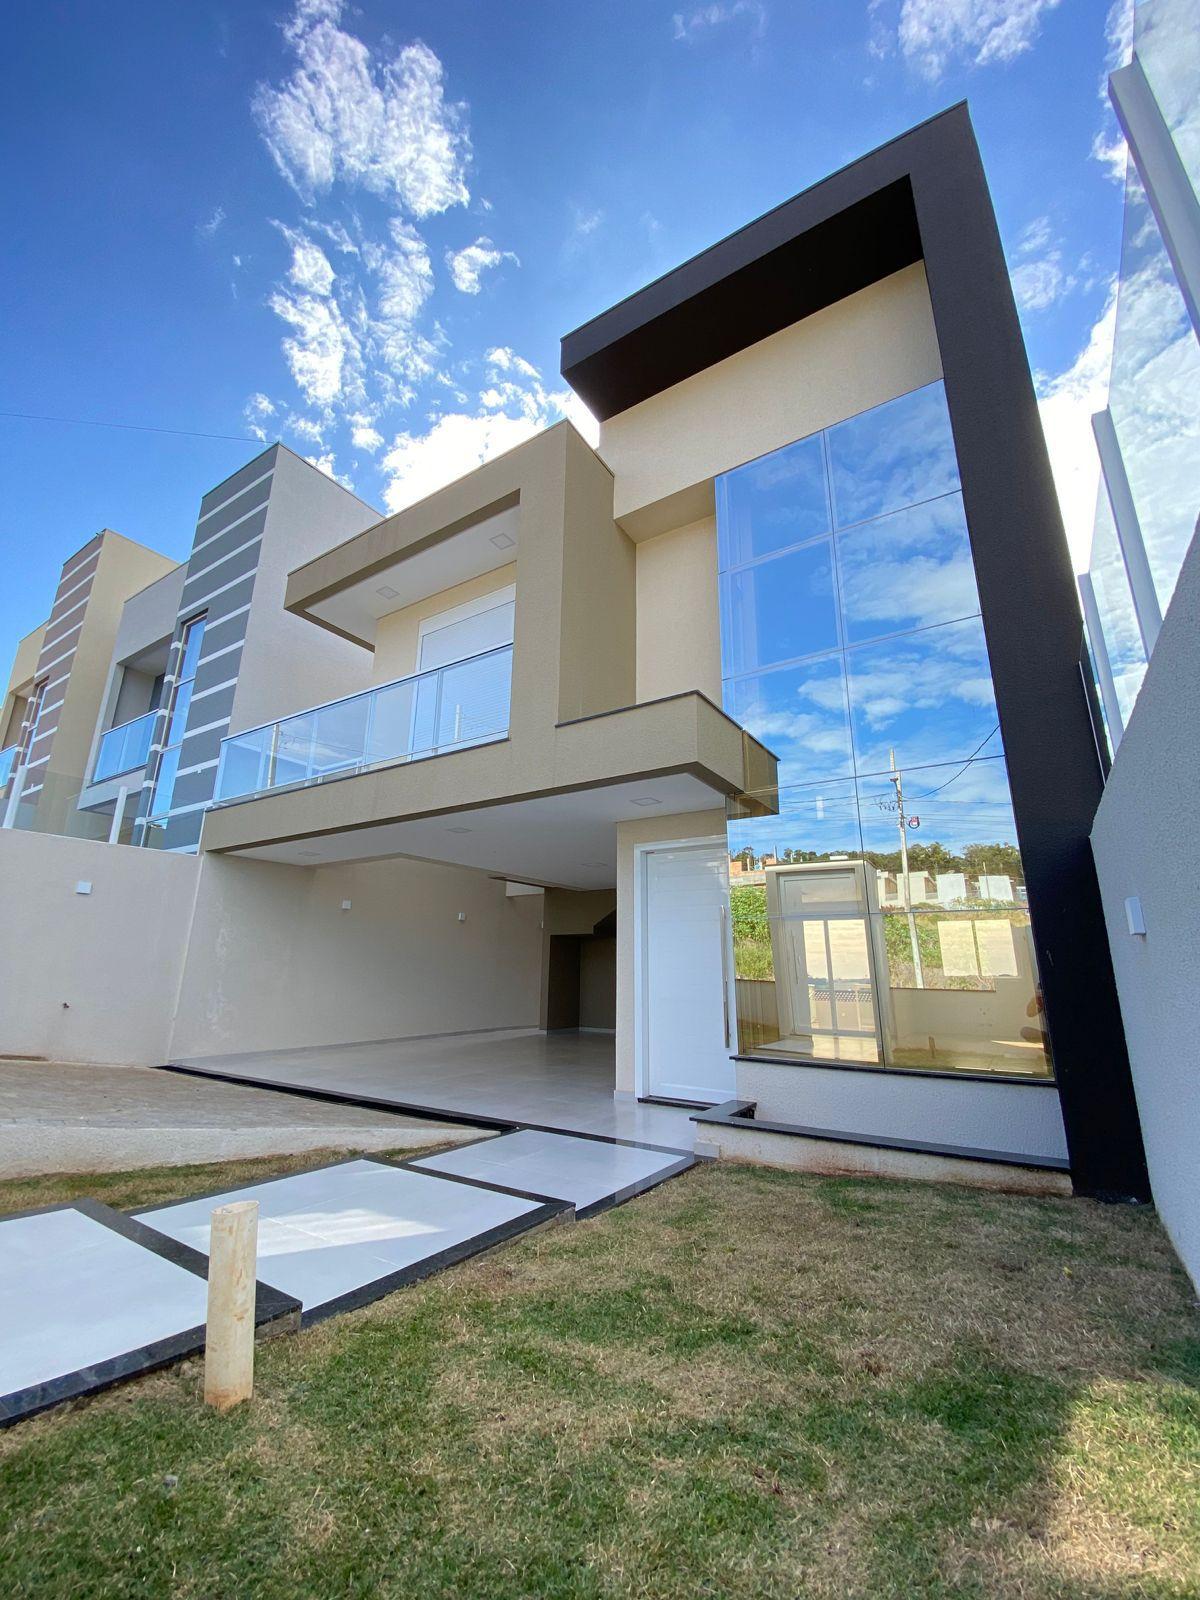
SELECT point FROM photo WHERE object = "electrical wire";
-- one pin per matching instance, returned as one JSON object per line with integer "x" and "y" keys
{"x": 131, "y": 427}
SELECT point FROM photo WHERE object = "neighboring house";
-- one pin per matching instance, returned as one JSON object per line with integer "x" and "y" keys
{"x": 55, "y": 691}
{"x": 1142, "y": 599}
{"x": 607, "y": 674}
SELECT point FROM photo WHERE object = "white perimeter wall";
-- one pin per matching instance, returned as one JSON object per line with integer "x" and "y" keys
{"x": 1146, "y": 841}
{"x": 90, "y": 977}
{"x": 176, "y": 955}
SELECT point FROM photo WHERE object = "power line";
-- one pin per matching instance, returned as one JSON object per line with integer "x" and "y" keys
{"x": 962, "y": 768}
{"x": 130, "y": 427}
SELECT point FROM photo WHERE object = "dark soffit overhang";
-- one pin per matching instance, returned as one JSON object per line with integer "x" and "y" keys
{"x": 848, "y": 231}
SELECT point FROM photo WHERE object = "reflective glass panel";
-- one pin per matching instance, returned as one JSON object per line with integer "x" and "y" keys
{"x": 880, "y": 918}
{"x": 772, "y": 503}
{"x": 391, "y": 722}
{"x": 926, "y": 696}
{"x": 244, "y": 763}
{"x": 1155, "y": 394}
{"x": 340, "y": 736}
{"x": 1166, "y": 37}
{"x": 164, "y": 787}
{"x": 907, "y": 570}
{"x": 800, "y": 714}
{"x": 778, "y": 610}
{"x": 191, "y": 649}
{"x": 895, "y": 455}
{"x": 1114, "y": 602}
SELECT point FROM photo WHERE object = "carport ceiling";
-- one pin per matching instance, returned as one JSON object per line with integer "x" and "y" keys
{"x": 565, "y": 840}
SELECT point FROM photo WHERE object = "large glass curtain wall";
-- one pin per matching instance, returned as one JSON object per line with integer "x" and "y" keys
{"x": 879, "y": 912}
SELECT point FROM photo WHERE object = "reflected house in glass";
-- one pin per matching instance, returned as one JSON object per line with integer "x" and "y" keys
{"x": 859, "y": 652}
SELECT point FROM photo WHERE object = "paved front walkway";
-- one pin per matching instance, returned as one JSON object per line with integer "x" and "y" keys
{"x": 57, "y": 1117}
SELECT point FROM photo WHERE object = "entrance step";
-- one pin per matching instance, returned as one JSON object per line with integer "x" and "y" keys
{"x": 591, "y": 1174}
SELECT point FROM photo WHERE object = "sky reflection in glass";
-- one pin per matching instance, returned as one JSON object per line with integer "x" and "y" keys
{"x": 778, "y": 610}
{"x": 892, "y": 456}
{"x": 772, "y": 503}
{"x": 907, "y": 570}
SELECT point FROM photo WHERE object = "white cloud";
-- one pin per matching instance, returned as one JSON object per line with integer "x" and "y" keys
{"x": 379, "y": 124}
{"x": 1067, "y": 403}
{"x": 513, "y": 405}
{"x": 685, "y": 28}
{"x": 933, "y": 34}
{"x": 207, "y": 229}
{"x": 310, "y": 270}
{"x": 323, "y": 352}
{"x": 1039, "y": 278}
{"x": 325, "y": 463}
{"x": 256, "y": 411}
{"x": 306, "y": 428}
{"x": 583, "y": 225}
{"x": 364, "y": 435}
{"x": 468, "y": 265}
{"x": 404, "y": 282}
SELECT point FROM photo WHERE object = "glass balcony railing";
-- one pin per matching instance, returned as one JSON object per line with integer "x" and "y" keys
{"x": 8, "y": 760}
{"x": 450, "y": 708}
{"x": 124, "y": 748}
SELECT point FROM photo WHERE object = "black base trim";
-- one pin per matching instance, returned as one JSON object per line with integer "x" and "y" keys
{"x": 741, "y": 1114}
{"x": 947, "y": 1074}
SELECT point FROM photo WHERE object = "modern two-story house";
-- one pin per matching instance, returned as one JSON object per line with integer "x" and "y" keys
{"x": 731, "y": 738}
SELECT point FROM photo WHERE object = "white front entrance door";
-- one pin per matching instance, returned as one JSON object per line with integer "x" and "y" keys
{"x": 684, "y": 997}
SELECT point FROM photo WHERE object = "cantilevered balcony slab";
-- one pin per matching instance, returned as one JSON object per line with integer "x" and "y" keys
{"x": 542, "y": 811}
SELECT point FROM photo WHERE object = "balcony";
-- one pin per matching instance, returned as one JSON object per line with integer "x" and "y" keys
{"x": 431, "y": 713}
{"x": 124, "y": 748}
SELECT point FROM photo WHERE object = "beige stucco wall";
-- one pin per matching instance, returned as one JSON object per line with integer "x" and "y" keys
{"x": 25, "y": 661}
{"x": 643, "y": 830}
{"x": 124, "y": 568}
{"x": 396, "y": 634}
{"x": 678, "y": 637}
{"x": 90, "y": 977}
{"x": 288, "y": 665}
{"x": 596, "y": 611}
{"x": 274, "y": 961}
{"x": 862, "y": 351}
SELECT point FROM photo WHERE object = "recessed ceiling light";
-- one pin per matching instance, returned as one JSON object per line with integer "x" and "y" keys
{"x": 503, "y": 541}
{"x": 309, "y": 855}
{"x": 388, "y": 593}
{"x": 460, "y": 830}
{"x": 646, "y": 800}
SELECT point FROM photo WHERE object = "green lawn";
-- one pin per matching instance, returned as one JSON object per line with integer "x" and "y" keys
{"x": 745, "y": 1383}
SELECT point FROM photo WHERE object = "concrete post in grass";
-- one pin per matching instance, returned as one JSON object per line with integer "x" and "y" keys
{"x": 232, "y": 1281}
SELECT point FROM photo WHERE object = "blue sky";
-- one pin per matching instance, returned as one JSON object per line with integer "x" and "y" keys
{"x": 363, "y": 228}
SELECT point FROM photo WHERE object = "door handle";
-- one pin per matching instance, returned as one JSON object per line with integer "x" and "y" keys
{"x": 725, "y": 975}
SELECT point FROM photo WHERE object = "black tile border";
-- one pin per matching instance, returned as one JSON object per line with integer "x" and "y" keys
{"x": 274, "y": 1312}
{"x": 606, "y": 1202}
{"x": 740, "y": 1114}
{"x": 545, "y": 1210}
